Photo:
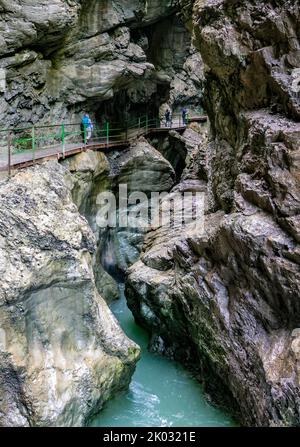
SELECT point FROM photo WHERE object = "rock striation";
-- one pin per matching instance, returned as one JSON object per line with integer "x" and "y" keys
{"x": 226, "y": 300}
{"x": 222, "y": 298}
{"x": 58, "y": 59}
{"x": 62, "y": 353}
{"x": 141, "y": 168}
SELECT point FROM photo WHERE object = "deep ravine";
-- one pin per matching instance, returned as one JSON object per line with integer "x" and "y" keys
{"x": 161, "y": 394}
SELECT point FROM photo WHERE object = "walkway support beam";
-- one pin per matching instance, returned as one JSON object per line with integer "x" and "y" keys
{"x": 84, "y": 134}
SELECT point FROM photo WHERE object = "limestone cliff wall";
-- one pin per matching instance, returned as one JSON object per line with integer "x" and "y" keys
{"x": 62, "y": 353}
{"x": 226, "y": 300}
{"x": 141, "y": 168}
{"x": 59, "y": 58}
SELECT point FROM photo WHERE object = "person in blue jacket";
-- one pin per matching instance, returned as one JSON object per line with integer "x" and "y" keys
{"x": 87, "y": 127}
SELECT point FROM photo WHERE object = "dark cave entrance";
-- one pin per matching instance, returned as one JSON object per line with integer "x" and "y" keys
{"x": 124, "y": 106}
{"x": 166, "y": 45}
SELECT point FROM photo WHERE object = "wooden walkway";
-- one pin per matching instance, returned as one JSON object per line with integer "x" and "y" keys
{"x": 24, "y": 160}
{"x": 29, "y": 158}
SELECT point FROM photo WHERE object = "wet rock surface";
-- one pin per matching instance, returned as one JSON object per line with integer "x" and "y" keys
{"x": 141, "y": 169}
{"x": 226, "y": 300}
{"x": 222, "y": 296}
{"x": 62, "y": 353}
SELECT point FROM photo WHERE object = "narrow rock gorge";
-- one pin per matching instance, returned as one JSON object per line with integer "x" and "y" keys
{"x": 220, "y": 296}
{"x": 62, "y": 352}
{"x": 229, "y": 297}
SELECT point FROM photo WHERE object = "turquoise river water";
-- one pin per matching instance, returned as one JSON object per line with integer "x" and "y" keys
{"x": 161, "y": 394}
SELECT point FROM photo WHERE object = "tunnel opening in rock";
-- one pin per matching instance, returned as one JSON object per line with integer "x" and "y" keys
{"x": 168, "y": 46}
{"x": 169, "y": 43}
{"x": 127, "y": 106}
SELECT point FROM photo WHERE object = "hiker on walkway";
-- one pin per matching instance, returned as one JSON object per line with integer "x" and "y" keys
{"x": 184, "y": 116}
{"x": 187, "y": 117}
{"x": 87, "y": 127}
{"x": 168, "y": 118}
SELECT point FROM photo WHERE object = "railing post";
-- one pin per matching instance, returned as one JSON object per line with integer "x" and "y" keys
{"x": 9, "y": 153}
{"x": 84, "y": 134}
{"x": 147, "y": 123}
{"x": 33, "y": 143}
{"x": 139, "y": 122}
{"x": 63, "y": 139}
{"x": 107, "y": 133}
{"x": 126, "y": 131}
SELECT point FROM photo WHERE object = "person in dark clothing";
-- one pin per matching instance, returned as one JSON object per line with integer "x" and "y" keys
{"x": 184, "y": 116}
{"x": 168, "y": 118}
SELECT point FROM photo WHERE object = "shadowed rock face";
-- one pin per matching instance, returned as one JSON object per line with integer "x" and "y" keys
{"x": 60, "y": 58}
{"x": 252, "y": 56}
{"x": 62, "y": 354}
{"x": 226, "y": 300}
{"x": 141, "y": 168}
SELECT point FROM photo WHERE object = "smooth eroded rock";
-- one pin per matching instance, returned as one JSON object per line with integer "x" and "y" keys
{"x": 62, "y": 352}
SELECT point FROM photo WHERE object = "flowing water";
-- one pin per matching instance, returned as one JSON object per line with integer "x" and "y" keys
{"x": 162, "y": 393}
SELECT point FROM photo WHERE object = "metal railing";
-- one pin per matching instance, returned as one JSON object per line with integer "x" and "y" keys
{"x": 21, "y": 145}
